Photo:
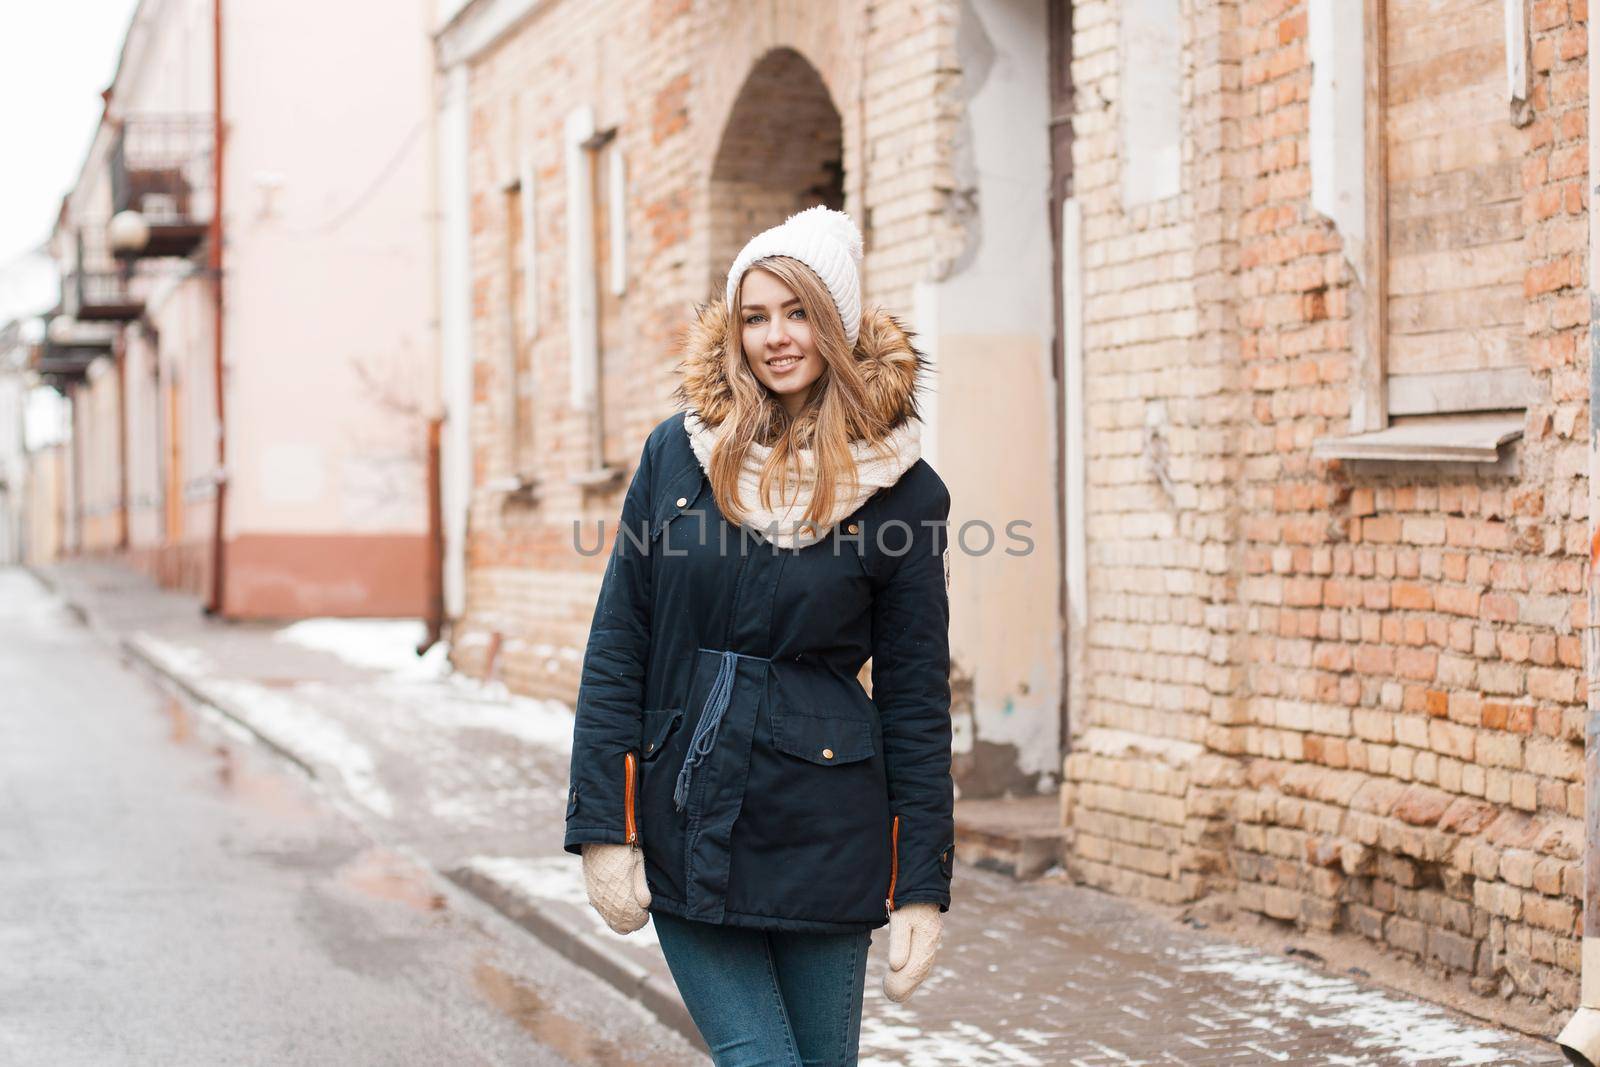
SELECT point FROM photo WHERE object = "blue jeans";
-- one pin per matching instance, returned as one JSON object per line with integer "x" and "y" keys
{"x": 773, "y": 998}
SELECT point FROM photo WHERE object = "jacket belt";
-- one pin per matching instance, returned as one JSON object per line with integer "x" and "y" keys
{"x": 705, "y": 732}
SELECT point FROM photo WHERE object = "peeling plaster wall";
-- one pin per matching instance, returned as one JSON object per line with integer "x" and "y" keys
{"x": 987, "y": 322}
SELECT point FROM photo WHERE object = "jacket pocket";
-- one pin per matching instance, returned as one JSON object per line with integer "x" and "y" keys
{"x": 657, "y": 727}
{"x": 679, "y": 497}
{"x": 822, "y": 739}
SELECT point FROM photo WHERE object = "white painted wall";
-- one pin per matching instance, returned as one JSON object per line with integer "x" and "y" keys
{"x": 329, "y": 280}
{"x": 990, "y": 326}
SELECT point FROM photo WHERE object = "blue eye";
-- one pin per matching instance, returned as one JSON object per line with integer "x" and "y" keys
{"x": 750, "y": 321}
{"x": 799, "y": 311}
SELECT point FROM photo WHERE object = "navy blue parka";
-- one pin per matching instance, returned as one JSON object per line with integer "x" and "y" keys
{"x": 811, "y": 805}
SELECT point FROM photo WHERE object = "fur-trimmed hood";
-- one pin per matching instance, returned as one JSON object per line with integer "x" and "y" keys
{"x": 891, "y": 366}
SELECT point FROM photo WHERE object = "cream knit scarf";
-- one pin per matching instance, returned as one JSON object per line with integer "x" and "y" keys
{"x": 877, "y": 467}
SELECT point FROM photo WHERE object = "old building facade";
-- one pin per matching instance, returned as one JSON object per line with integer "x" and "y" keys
{"x": 245, "y": 324}
{"x": 1261, "y": 322}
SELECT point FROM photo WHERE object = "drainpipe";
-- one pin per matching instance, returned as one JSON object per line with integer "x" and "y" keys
{"x": 1580, "y": 1038}
{"x": 152, "y": 340}
{"x": 218, "y": 544}
{"x": 121, "y": 352}
{"x": 435, "y": 588}
{"x": 75, "y": 457}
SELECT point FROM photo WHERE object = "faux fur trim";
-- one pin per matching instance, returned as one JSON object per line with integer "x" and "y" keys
{"x": 885, "y": 433}
{"x": 891, "y": 367}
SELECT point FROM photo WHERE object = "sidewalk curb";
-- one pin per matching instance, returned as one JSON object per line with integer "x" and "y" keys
{"x": 584, "y": 949}
{"x": 152, "y": 664}
{"x": 581, "y": 947}
{"x": 50, "y": 586}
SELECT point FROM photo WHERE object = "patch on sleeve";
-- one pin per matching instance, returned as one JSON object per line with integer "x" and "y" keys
{"x": 947, "y": 570}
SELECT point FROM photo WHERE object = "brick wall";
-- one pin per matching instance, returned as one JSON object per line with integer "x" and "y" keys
{"x": 1346, "y": 696}
{"x": 1161, "y": 397}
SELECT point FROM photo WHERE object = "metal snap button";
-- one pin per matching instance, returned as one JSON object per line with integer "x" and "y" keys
{"x": 853, "y": 528}
{"x": 682, "y": 500}
{"x": 648, "y": 747}
{"x": 827, "y": 753}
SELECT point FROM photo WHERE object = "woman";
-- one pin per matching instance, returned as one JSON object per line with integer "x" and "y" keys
{"x": 729, "y": 772}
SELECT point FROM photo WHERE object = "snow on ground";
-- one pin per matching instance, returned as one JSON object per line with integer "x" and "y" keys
{"x": 1407, "y": 1031}
{"x": 465, "y": 704}
{"x": 411, "y": 703}
{"x": 894, "y": 1034}
{"x": 428, "y": 685}
{"x": 182, "y": 661}
{"x": 311, "y": 736}
{"x": 379, "y": 644}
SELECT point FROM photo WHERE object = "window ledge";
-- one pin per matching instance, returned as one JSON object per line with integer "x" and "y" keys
{"x": 1435, "y": 439}
{"x": 598, "y": 477}
{"x": 515, "y": 488}
{"x": 511, "y": 483}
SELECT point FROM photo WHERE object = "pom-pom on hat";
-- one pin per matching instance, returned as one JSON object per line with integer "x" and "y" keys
{"x": 827, "y": 241}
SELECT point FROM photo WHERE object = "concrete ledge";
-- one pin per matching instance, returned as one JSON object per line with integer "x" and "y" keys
{"x": 1019, "y": 836}
{"x": 1433, "y": 439}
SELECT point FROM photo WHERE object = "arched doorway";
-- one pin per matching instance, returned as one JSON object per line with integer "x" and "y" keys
{"x": 781, "y": 151}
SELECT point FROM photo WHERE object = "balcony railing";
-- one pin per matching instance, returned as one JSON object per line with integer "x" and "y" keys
{"x": 161, "y": 168}
{"x": 96, "y": 287}
{"x": 63, "y": 355}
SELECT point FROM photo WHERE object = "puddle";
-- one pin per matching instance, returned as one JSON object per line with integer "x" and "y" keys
{"x": 181, "y": 723}
{"x": 526, "y": 1007}
{"x": 276, "y": 683}
{"x": 274, "y": 791}
{"x": 387, "y": 875}
{"x": 278, "y": 793}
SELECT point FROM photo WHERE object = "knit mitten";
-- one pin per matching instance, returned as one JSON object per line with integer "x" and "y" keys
{"x": 915, "y": 931}
{"x": 614, "y": 878}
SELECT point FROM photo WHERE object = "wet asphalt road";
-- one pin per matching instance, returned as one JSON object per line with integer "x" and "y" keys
{"x": 171, "y": 894}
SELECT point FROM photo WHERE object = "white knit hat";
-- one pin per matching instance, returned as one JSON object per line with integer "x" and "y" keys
{"x": 825, "y": 240}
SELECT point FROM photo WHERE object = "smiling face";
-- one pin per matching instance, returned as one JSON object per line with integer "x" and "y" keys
{"x": 778, "y": 341}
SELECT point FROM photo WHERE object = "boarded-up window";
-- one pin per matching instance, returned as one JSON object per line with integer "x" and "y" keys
{"x": 606, "y": 194}
{"x": 518, "y": 397}
{"x": 1150, "y": 45}
{"x": 1454, "y": 199}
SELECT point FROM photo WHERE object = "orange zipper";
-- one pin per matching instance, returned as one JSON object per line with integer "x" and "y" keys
{"x": 894, "y": 862}
{"x": 630, "y": 827}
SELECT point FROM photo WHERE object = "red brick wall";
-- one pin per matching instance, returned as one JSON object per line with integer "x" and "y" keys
{"x": 1369, "y": 678}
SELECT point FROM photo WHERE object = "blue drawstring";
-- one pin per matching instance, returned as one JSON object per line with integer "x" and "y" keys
{"x": 705, "y": 731}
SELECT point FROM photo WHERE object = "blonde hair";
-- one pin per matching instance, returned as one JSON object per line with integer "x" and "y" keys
{"x": 830, "y": 420}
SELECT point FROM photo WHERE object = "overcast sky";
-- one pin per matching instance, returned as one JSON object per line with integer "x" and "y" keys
{"x": 59, "y": 55}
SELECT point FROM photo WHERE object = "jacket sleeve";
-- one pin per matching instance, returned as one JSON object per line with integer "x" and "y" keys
{"x": 911, "y": 687}
{"x": 606, "y": 720}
